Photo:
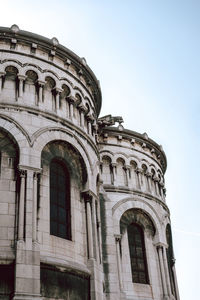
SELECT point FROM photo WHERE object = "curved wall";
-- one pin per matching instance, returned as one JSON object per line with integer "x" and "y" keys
{"x": 49, "y": 104}
{"x": 73, "y": 189}
{"x": 132, "y": 168}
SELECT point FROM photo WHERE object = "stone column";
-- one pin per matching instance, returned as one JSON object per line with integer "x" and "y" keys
{"x": 21, "y": 79}
{"x": 35, "y": 193}
{"x": 114, "y": 173}
{"x": 127, "y": 169}
{"x": 90, "y": 120}
{"x": 27, "y": 262}
{"x": 166, "y": 272}
{"x": 88, "y": 202}
{"x": 161, "y": 189}
{"x": 162, "y": 271}
{"x": 139, "y": 174}
{"x": 89, "y": 127}
{"x": 99, "y": 233}
{"x": 58, "y": 92}
{"x": 40, "y": 95}
{"x": 82, "y": 114}
{"x": 94, "y": 219}
{"x": 148, "y": 174}
{"x": 156, "y": 180}
{"x": 119, "y": 266}
{"x": 1, "y": 77}
{"x": 22, "y": 174}
{"x": 72, "y": 100}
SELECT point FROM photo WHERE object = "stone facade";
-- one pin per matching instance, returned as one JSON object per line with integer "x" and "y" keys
{"x": 50, "y": 102}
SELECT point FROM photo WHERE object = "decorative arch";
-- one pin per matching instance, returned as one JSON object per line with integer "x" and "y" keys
{"x": 137, "y": 216}
{"x": 13, "y": 63}
{"x": 64, "y": 151}
{"x": 15, "y": 129}
{"x": 33, "y": 69}
{"x": 49, "y": 134}
{"x": 136, "y": 203}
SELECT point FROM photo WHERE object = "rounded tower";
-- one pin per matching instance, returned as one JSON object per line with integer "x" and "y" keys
{"x": 49, "y": 104}
{"x": 137, "y": 248}
{"x": 82, "y": 204}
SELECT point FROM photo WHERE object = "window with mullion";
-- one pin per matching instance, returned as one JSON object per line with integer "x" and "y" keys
{"x": 60, "y": 218}
{"x": 137, "y": 253}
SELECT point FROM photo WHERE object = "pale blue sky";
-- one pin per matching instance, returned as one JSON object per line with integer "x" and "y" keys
{"x": 146, "y": 55}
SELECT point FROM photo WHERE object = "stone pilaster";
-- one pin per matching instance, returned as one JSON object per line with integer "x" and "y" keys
{"x": 27, "y": 275}
{"x": 88, "y": 202}
{"x": 119, "y": 266}
{"x": 93, "y": 264}
{"x": 162, "y": 272}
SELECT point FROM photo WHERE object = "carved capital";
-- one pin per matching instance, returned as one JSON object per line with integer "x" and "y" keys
{"x": 71, "y": 99}
{"x": 161, "y": 245}
{"x": 139, "y": 170}
{"x": 118, "y": 237}
{"x": 41, "y": 83}
{"x": 36, "y": 174}
{"x": 90, "y": 118}
{"x": 127, "y": 167}
{"x": 148, "y": 174}
{"x": 113, "y": 165}
{"x": 87, "y": 195}
{"x": 57, "y": 90}
{"x": 2, "y": 74}
{"x": 21, "y": 77}
{"x": 22, "y": 173}
{"x": 156, "y": 179}
{"x": 82, "y": 107}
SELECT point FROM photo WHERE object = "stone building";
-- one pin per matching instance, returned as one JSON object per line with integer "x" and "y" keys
{"x": 82, "y": 202}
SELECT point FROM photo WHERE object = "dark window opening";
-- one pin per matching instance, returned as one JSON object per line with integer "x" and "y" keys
{"x": 60, "y": 216}
{"x": 137, "y": 254}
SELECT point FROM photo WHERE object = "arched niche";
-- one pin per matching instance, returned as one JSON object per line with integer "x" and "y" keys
{"x": 49, "y": 94}
{"x": 139, "y": 217}
{"x": 121, "y": 172}
{"x": 64, "y": 101}
{"x": 31, "y": 91}
{"x": 106, "y": 169}
{"x": 70, "y": 155}
{"x": 10, "y": 84}
{"x": 134, "y": 182}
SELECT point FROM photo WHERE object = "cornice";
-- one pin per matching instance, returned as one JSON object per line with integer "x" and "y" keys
{"x": 53, "y": 47}
{"x": 128, "y": 191}
{"x": 51, "y": 116}
{"x": 143, "y": 139}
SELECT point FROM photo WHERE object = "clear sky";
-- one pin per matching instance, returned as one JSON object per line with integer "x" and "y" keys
{"x": 146, "y": 54}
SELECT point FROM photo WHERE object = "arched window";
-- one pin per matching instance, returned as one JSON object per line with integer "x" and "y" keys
{"x": 137, "y": 253}
{"x": 60, "y": 218}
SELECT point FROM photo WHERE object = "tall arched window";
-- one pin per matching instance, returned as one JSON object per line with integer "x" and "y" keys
{"x": 137, "y": 253}
{"x": 60, "y": 217}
